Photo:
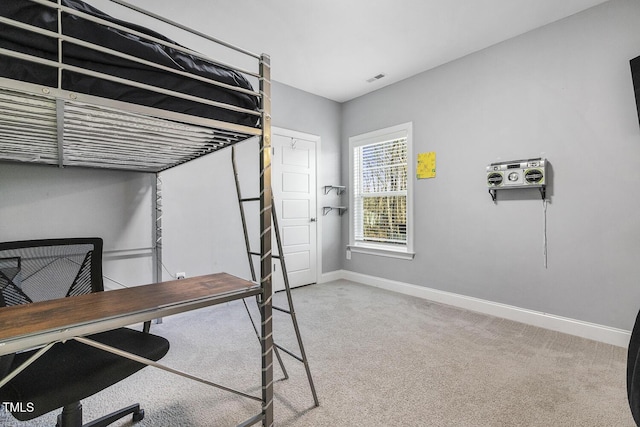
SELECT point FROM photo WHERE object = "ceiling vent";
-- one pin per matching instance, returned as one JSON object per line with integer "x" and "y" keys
{"x": 374, "y": 78}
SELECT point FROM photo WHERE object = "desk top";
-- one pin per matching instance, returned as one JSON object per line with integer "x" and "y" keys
{"x": 91, "y": 313}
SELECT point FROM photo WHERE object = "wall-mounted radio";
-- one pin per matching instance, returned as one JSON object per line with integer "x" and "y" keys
{"x": 527, "y": 173}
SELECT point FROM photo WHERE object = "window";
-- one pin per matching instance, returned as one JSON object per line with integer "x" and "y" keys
{"x": 380, "y": 205}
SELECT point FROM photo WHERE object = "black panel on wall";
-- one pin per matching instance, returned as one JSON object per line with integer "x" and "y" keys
{"x": 635, "y": 73}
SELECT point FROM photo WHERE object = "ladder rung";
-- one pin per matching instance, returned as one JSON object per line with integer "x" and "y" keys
{"x": 295, "y": 356}
{"x": 251, "y": 199}
{"x": 281, "y": 309}
{"x": 258, "y": 254}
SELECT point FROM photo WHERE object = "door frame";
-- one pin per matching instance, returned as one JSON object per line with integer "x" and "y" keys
{"x": 317, "y": 141}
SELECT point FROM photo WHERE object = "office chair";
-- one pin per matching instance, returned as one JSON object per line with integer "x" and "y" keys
{"x": 39, "y": 270}
{"x": 633, "y": 371}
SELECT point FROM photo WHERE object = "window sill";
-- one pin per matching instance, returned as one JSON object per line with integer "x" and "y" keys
{"x": 382, "y": 251}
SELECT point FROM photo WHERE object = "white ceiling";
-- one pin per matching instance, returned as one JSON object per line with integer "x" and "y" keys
{"x": 331, "y": 47}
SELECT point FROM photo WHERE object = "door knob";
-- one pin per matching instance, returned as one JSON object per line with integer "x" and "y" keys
{"x": 313, "y": 220}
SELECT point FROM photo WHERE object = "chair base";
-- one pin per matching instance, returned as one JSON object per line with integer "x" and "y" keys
{"x": 71, "y": 416}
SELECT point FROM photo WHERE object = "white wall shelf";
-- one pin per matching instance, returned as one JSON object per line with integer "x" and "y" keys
{"x": 339, "y": 189}
{"x": 327, "y": 209}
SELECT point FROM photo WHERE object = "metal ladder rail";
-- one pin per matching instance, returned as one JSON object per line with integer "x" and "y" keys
{"x": 303, "y": 357}
{"x": 249, "y": 254}
{"x": 291, "y": 311}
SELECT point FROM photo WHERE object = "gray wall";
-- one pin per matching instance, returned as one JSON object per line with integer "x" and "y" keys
{"x": 297, "y": 110}
{"x": 40, "y": 202}
{"x": 563, "y": 91}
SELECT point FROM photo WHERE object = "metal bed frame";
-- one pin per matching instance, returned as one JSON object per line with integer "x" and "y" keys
{"x": 55, "y": 126}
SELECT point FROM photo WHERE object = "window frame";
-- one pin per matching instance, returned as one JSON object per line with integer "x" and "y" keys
{"x": 392, "y": 250}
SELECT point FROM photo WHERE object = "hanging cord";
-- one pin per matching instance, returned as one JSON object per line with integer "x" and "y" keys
{"x": 544, "y": 230}
{"x": 125, "y": 286}
{"x": 173, "y": 276}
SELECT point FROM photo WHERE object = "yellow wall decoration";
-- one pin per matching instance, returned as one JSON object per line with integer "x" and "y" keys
{"x": 426, "y": 165}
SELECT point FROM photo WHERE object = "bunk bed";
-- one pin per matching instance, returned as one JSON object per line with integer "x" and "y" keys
{"x": 79, "y": 88}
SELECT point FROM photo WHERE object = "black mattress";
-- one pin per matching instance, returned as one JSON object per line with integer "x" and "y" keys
{"x": 19, "y": 40}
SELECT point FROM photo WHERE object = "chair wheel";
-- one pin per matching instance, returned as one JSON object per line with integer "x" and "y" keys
{"x": 138, "y": 415}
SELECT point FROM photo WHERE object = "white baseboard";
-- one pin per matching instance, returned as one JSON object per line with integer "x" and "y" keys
{"x": 593, "y": 331}
{"x": 331, "y": 276}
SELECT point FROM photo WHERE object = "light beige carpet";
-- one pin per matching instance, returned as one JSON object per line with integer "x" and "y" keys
{"x": 377, "y": 359}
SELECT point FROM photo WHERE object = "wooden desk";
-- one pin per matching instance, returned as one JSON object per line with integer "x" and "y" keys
{"x": 40, "y": 323}
{"x": 30, "y": 325}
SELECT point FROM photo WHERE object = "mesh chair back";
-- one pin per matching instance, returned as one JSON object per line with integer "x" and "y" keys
{"x": 38, "y": 270}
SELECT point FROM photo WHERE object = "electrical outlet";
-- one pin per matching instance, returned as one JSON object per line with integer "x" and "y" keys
{"x": 181, "y": 275}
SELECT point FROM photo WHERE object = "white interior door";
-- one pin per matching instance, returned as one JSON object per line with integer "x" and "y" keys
{"x": 294, "y": 193}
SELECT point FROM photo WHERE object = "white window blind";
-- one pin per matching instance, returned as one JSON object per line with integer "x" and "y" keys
{"x": 380, "y": 173}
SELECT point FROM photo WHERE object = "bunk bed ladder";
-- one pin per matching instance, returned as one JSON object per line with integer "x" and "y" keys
{"x": 290, "y": 311}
